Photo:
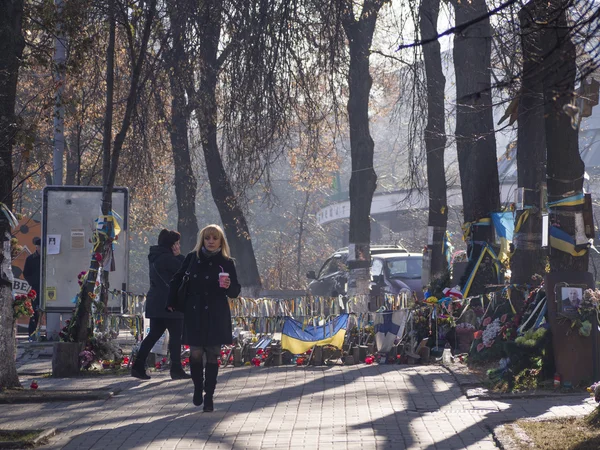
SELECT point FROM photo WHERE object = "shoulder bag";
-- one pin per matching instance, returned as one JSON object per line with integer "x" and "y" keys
{"x": 182, "y": 290}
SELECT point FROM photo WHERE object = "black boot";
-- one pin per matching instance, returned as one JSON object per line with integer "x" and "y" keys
{"x": 178, "y": 373}
{"x": 139, "y": 371}
{"x": 209, "y": 386}
{"x": 197, "y": 369}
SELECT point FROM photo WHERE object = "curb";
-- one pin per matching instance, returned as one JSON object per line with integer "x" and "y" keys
{"x": 504, "y": 438}
{"x": 45, "y": 434}
{"x": 73, "y": 395}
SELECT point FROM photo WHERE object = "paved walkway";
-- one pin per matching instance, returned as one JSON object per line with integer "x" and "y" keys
{"x": 341, "y": 407}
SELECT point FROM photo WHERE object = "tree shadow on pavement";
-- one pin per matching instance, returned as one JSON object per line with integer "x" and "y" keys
{"x": 454, "y": 422}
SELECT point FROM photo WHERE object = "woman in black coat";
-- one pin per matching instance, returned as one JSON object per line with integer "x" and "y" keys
{"x": 164, "y": 260}
{"x": 206, "y": 314}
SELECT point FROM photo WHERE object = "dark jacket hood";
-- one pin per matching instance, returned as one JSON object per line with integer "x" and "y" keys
{"x": 157, "y": 251}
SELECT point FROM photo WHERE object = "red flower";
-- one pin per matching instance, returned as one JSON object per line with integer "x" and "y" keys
{"x": 164, "y": 360}
{"x": 478, "y": 334}
{"x": 300, "y": 361}
{"x": 34, "y": 385}
{"x": 260, "y": 351}
{"x": 157, "y": 365}
{"x": 222, "y": 353}
{"x": 309, "y": 351}
{"x": 256, "y": 362}
{"x": 98, "y": 256}
{"x": 32, "y": 294}
{"x": 369, "y": 360}
{"x": 219, "y": 362}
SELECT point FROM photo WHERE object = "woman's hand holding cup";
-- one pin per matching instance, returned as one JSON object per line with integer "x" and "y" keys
{"x": 224, "y": 280}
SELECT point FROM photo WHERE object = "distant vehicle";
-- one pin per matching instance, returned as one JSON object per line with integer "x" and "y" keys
{"x": 393, "y": 270}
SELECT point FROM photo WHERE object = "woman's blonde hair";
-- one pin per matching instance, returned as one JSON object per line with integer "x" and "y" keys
{"x": 214, "y": 230}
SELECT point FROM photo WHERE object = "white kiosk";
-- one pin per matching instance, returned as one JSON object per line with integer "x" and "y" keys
{"x": 69, "y": 215}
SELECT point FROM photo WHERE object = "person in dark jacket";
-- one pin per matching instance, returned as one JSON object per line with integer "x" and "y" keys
{"x": 31, "y": 273}
{"x": 164, "y": 260}
{"x": 206, "y": 313}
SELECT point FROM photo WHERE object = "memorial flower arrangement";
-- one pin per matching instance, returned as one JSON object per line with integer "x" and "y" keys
{"x": 22, "y": 304}
{"x": 589, "y": 307}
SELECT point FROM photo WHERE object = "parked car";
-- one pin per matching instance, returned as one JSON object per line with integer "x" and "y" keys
{"x": 393, "y": 270}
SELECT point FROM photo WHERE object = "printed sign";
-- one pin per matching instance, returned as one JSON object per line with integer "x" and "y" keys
{"x": 77, "y": 238}
{"x": 51, "y": 294}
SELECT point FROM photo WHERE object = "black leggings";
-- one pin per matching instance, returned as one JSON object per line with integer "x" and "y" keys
{"x": 212, "y": 354}
{"x": 157, "y": 328}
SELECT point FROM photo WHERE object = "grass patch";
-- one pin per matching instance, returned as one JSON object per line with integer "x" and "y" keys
{"x": 561, "y": 434}
{"x": 23, "y": 436}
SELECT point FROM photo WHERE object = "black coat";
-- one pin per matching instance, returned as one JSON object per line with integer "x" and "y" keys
{"x": 163, "y": 264}
{"x": 206, "y": 318}
{"x": 31, "y": 273}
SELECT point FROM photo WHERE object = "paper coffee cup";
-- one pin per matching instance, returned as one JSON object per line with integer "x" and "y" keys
{"x": 222, "y": 277}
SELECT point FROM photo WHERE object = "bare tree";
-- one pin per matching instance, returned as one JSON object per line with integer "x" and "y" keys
{"x": 475, "y": 138}
{"x": 565, "y": 168}
{"x": 363, "y": 181}
{"x": 180, "y": 78}
{"x": 529, "y": 258}
{"x": 435, "y": 137}
{"x": 78, "y": 330}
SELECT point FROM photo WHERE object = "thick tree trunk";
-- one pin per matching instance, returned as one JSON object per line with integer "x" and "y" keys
{"x": 565, "y": 168}
{"x": 435, "y": 137}
{"x": 475, "y": 139}
{"x": 529, "y": 257}
{"x": 185, "y": 181}
{"x": 11, "y": 49}
{"x": 232, "y": 216}
{"x": 363, "y": 180}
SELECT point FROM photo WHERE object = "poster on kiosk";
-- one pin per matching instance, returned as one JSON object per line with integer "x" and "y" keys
{"x": 69, "y": 218}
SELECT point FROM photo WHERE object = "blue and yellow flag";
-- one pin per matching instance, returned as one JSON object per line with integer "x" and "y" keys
{"x": 298, "y": 340}
{"x": 504, "y": 224}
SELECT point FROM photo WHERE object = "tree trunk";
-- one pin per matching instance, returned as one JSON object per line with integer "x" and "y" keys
{"x": 185, "y": 181}
{"x": 475, "y": 139}
{"x": 529, "y": 258}
{"x": 59, "y": 72}
{"x": 73, "y": 169}
{"x": 11, "y": 49}
{"x": 363, "y": 180}
{"x": 565, "y": 168}
{"x": 232, "y": 216}
{"x": 435, "y": 137}
{"x": 299, "y": 245}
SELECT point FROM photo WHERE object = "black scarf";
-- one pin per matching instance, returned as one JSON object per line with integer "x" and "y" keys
{"x": 210, "y": 254}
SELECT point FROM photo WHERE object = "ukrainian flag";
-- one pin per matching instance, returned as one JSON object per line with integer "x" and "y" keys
{"x": 298, "y": 340}
{"x": 504, "y": 224}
